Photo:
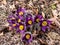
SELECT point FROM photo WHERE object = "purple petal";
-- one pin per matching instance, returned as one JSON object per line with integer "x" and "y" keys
{"x": 49, "y": 22}
{"x": 44, "y": 28}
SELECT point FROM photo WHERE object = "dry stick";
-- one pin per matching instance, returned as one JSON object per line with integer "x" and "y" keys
{"x": 1, "y": 33}
{"x": 4, "y": 2}
{"x": 51, "y": 26}
{"x": 43, "y": 14}
{"x": 42, "y": 42}
{"x": 54, "y": 19}
{"x": 56, "y": 22}
{"x": 51, "y": 41}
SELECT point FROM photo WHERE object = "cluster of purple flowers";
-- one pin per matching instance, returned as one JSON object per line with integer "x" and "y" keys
{"x": 20, "y": 22}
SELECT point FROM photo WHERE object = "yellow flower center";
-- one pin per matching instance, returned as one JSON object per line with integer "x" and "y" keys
{"x": 21, "y": 27}
{"x": 20, "y": 13}
{"x": 27, "y": 36}
{"x": 37, "y": 20}
{"x": 44, "y": 23}
{"x": 30, "y": 22}
{"x": 19, "y": 20}
{"x": 14, "y": 25}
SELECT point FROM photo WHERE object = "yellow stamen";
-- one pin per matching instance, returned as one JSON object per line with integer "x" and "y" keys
{"x": 19, "y": 20}
{"x": 14, "y": 24}
{"x": 37, "y": 20}
{"x": 27, "y": 36}
{"x": 21, "y": 27}
{"x": 30, "y": 22}
{"x": 44, "y": 23}
{"x": 20, "y": 13}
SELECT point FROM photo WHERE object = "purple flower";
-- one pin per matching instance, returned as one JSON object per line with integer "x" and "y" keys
{"x": 21, "y": 28}
{"x": 10, "y": 18}
{"x": 27, "y": 37}
{"x": 12, "y": 21}
{"x": 19, "y": 20}
{"x": 29, "y": 20}
{"x": 20, "y": 11}
{"x": 38, "y": 18}
{"x": 45, "y": 24}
